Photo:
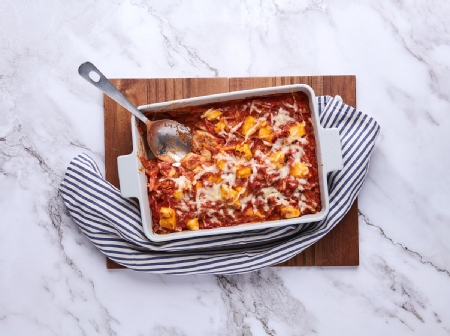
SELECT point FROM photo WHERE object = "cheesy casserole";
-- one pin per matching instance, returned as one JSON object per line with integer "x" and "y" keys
{"x": 252, "y": 160}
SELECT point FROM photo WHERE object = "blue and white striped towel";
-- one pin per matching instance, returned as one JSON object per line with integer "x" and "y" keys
{"x": 113, "y": 223}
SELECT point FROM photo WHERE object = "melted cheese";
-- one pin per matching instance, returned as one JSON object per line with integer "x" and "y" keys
{"x": 279, "y": 198}
{"x": 254, "y": 108}
{"x": 270, "y": 191}
{"x": 183, "y": 207}
{"x": 181, "y": 182}
{"x": 235, "y": 128}
{"x": 295, "y": 107}
{"x": 211, "y": 194}
{"x": 245, "y": 201}
{"x": 210, "y": 169}
{"x": 281, "y": 119}
{"x": 284, "y": 172}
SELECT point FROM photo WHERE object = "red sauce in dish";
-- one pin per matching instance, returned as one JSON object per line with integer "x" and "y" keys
{"x": 252, "y": 160}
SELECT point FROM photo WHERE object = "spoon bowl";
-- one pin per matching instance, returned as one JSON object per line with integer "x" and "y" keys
{"x": 168, "y": 137}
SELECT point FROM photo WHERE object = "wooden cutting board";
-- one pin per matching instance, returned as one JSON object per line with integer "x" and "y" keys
{"x": 340, "y": 247}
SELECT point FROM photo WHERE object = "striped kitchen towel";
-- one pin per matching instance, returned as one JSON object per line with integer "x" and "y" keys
{"x": 113, "y": 223}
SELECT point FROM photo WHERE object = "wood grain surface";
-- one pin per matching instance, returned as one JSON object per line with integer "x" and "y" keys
{"x": 340, "y": 247}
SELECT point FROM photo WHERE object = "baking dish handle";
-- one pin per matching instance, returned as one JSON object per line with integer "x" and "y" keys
{"x": 331, "y": 150}
{"x": 128, "y": 175}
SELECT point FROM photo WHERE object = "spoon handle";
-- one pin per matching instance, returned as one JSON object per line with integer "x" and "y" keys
{"x": 108, "y": 88}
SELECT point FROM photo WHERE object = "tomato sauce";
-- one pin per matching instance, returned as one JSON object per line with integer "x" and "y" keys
{"x": 252, "y": 160}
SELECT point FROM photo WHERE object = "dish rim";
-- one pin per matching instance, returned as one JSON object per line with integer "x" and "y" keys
{"x": 133, "y": 181}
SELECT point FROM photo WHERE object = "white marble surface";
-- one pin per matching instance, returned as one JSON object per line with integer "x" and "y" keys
{"x": 53, "y": 281}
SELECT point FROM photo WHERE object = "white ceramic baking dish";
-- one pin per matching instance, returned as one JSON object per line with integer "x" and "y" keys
{"x": 133, "y": 182}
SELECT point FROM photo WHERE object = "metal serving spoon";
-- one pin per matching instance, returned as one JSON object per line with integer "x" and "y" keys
{"x": 165, "y": 137}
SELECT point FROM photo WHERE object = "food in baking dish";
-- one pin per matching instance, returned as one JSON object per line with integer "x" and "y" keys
{"x": 252, "y": 160}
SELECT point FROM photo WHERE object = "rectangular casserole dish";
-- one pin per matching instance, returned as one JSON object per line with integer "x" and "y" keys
{"x": 133, "y": 182}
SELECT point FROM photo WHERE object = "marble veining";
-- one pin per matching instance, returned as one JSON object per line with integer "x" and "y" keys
{"x": 53, "y": 280}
